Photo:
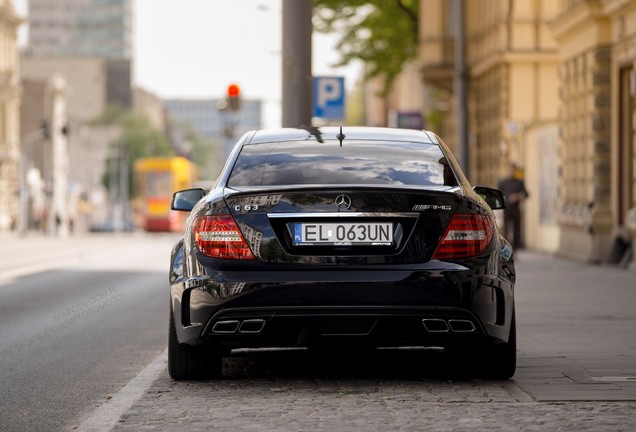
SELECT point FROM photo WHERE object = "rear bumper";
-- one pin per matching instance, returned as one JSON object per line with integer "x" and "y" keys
{"x": 383, "y": 308}
{"x": 315, "y": 326}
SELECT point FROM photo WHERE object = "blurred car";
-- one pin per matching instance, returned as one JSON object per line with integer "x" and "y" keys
{"x": 357, "y": 236}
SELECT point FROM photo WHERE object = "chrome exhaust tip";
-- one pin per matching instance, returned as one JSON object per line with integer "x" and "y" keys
{"x": 435, "y": 325}
{"x": 252, "y": 326}
{"x": 461, "y": 326}
{"x": 225, "y": 327}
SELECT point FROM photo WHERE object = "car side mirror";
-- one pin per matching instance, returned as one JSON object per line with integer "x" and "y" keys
{"x": 493, "y": 197}
{"x": 185, "y": 200}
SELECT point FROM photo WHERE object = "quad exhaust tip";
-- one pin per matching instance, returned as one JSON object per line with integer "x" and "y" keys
{"x": 249, "y": 326}
{"x": 438, "y": 325}
{"x": 435, "y": 325}
{"x": 461, "y": 326}
{"x": 252, "y": 326}
{"x": 225, "y": 326}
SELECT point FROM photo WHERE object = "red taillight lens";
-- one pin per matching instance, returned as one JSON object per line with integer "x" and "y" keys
{"x": 467, "y": 235}
{"x": 218, "y": 236}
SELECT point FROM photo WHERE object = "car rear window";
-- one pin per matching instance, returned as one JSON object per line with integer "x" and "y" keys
{"x": 353, "y": 163}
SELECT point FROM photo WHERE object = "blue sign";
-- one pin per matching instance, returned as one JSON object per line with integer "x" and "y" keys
{"x": 329, "y": 98}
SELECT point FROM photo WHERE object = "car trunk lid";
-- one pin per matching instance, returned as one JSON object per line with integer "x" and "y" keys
{"x": 360, "y": 224}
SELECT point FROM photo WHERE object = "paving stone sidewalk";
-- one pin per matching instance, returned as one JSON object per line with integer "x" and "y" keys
{"x": 362, "y": 405}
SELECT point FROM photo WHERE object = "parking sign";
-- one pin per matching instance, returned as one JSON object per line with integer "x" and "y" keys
{"x": 329, "y": 98}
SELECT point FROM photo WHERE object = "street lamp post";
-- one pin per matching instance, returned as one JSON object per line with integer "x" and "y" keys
{"x": 27, "y": 143}
{"x": 297, "y": 79}
{"x": 460, "y": 84}
{"x": 58, "y": 223}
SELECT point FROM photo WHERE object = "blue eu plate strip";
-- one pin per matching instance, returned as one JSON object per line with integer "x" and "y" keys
{"x": 298, "y": 233}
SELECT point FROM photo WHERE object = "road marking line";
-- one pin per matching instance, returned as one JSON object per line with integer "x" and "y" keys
{"x": 105, "y": 417}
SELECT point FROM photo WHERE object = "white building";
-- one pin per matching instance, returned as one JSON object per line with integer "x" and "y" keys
{"x": 219, "y": 126}
{"x": 9, "y": 116}
{"x": 101, "y": 28}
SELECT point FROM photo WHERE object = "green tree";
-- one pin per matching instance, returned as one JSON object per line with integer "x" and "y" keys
{"x": 355, "y": 106}
{"x": 138, "y": 138}
{"x": 206, "y": 154}
{"x": 381, "y": 33}
{"x": 203, "y": 152}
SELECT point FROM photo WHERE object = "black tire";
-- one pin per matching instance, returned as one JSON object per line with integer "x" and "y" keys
{"x": 187, "y": 362}
{"x": 501, "y": 362}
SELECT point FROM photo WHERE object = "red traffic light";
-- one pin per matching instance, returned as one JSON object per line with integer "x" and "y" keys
{"x": 233, "y": 97}
{"x": 233, "y": 90}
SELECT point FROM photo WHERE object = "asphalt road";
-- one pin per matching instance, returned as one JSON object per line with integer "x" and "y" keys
{"x": 76, "y": 323}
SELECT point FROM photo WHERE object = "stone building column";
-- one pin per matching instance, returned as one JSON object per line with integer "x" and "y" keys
{"x": 585, "y": 213}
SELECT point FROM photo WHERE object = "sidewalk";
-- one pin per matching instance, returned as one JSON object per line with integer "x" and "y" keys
{"x": 576, "y": 326}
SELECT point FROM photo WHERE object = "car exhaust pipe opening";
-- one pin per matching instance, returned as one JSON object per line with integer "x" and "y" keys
{"x": 225, "y": 327}
{"x": 435, "y": 325}
{"x": 461, "y": 326}
{"x": 252, "y": 326}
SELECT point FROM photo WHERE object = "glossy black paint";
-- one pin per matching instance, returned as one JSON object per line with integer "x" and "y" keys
{"x": 375, "y": 295}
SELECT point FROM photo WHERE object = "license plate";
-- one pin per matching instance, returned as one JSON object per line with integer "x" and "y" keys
{"x": 344, "y": 234}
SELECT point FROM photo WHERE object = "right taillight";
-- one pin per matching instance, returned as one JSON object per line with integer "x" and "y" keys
{"x": 467, "y": 235}
{"x": 218, "y": 236}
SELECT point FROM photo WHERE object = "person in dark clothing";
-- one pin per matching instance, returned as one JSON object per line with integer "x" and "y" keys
{"x": 514, "y": 191}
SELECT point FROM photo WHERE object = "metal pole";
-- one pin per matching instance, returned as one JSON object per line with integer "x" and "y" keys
{"x": 112, "y": 183}
{"x": 123, "y": 187}
{"x": 460, "y": 84}
{"x": 60, "y": 157}
{"x": 23, "y": 215}
{"x": 296, "y": 70}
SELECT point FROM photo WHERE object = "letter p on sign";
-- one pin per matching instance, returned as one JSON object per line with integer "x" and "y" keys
{"x": 329, "y": 98}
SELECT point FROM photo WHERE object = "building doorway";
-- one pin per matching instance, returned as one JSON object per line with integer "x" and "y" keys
{"x": 621, "y": 251}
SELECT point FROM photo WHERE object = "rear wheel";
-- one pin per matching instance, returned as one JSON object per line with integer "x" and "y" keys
{"x": 186, "y": 362}
{"x": 501, "y": 359}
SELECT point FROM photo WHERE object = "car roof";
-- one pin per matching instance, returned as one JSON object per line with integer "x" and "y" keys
{"x": 319, "y": 134}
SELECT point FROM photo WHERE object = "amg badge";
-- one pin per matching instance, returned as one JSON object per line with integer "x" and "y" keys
{"x": 421, "y": 207}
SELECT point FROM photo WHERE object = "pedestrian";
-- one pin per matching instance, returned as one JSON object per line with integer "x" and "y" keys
{"x": 515, "y": 193}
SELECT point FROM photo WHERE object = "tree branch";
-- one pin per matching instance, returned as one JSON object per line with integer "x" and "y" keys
{"x": 412, "y": 15}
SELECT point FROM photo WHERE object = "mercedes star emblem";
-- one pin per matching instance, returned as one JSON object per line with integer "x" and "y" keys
{"x": 343, "y": 202}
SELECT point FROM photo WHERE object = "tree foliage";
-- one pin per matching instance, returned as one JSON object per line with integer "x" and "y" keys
{"x": 204, "y": 152}
{"x": 381, "y": 33}
{"x": 138, "y": 138}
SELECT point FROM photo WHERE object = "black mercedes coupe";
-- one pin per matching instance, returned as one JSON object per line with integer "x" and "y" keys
{"x": 341, "y": 237}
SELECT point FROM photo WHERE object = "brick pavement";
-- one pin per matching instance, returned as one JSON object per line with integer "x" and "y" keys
{"x": 319, "y": 403}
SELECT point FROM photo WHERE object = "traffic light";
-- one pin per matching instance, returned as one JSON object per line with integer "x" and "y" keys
{"x": 233, "y": 97}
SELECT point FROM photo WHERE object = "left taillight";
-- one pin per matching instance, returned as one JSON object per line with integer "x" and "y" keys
{"x": 467, "y": 235}
{"x": 218, "y": 236}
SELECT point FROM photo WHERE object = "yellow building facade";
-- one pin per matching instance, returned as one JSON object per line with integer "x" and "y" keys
{"x": 512, "y": 61}
{"x": 9, "y": 116}
{"x": 551, "y": 87}
{"x": 597, "y": 51}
